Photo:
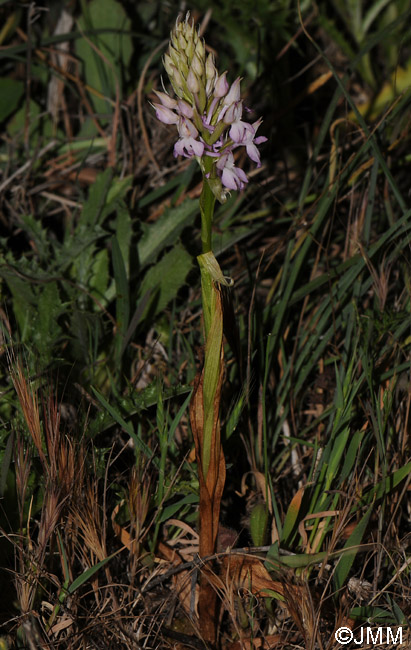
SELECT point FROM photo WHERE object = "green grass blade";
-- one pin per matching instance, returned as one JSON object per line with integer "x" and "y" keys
{"x": 126, "y": 426}
{"x": 347, "y": 559}
{"x": 122, "y": 297}
{"x": 89, "y": 573}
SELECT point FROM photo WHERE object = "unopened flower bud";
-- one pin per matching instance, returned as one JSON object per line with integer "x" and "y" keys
{"x": 165, "y": 114}
{"x": 190, "y": 50}
{"x": 221, "y": 87}
{"x": 178, "y": 83}
{"x": 199, "y": 48}
{"x": 233, "y": 94}
{"x": 168, "y": 64}
{"x": 166, "y": 100}
{"x": 211, "y": 70}
{"x": 185, "y": 109}
{"x": 197, "y": 66}
{"x": 186, "y": 26}
{"x": 173, "y": 53}
{"x": 182, "y": 43}
{"x": 192, "y": 82}
{"x": 211, "y": 75}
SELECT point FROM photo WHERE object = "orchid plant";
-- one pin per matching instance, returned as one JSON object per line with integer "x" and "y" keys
{"x": 208, "y": 114}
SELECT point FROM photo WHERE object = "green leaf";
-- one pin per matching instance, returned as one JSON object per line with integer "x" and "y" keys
{"x": 38, "y": 234}
{"x": 104, "y": 64}
{"x": 140, "y": 401}
{"x": 275, "y": 561}
{"x": 170, "y": 511}
{"x": 211, "y": 276}
{"x": 235, "y": 412}
{"x": 118, "y": 190}
{"x": 126, "y": 426}
{"x": 124, "y": 234}
{"x": 86, "y": 575}
{"x": 100, "y": 276}
{"x": 23, "y": 301}
{"x": 180, "y": 181}
{"x": 5, "y": 463}
{"x": 385, "y": 486}
{"x": 122, "y": 290}
{"x": 259, "y": 524}
{"x": 11, "y": 92}
{"x": 47, "y": 329}
{"x": 352, "y": 454}
{"x": 399, "y": 615}
{"x": 292, "y": 516}
{"x": 178, "y": 417}
{"x": 165, "y": 231}
{"x": 347, "y": 559}
{"x": 104, "y": 196}
{"x": 79, "y": 248}
{"x": 369, "y": 614}
{"x": 15, "y": 126}
{"x": 166, "y": 278}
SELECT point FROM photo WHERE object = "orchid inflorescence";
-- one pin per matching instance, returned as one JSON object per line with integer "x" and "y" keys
{"x": 207, "y": 111}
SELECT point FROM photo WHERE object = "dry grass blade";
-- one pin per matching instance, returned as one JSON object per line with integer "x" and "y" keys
{"x": 29, "y": 405}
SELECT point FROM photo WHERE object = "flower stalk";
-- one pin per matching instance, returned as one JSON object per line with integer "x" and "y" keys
{"x": 207, "y": 203}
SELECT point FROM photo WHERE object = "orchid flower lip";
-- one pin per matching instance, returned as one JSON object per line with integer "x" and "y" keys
{"x": 188, "y": 145}
{"x": 234, "y": 178}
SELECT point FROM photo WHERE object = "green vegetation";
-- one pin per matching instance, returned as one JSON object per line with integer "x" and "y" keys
{"x": 101, "y": 332}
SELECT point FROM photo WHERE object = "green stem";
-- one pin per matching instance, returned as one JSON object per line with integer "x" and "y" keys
{"x": 212, "y": 342}
{"x": 207, "y": 202}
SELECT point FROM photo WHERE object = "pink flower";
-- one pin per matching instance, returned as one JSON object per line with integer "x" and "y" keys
{"x": 238, "y": 127}
{"x": 250, "y": 141}
{"x": 188, "y": 145}
{"x": 232, "y": 177}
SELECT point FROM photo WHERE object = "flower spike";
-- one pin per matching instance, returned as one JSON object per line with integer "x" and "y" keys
{"x": 207, "y": 111}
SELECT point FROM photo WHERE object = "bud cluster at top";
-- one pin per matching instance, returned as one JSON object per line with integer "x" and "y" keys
{"x": 207, "y": 111}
